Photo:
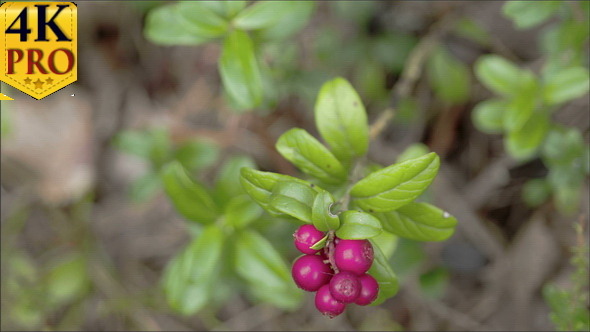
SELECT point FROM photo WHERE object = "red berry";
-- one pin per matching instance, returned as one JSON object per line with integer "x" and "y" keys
{"x": 355, "y": 256}
{"x": 369, "y": 290}
{"x": 310, "y": 273}
{"x": 327, "y": 304}
{"x": 345, "y": 287}
{"x": 305, "y": 237}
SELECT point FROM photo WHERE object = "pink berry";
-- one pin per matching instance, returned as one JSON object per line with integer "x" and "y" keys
{"x": 355, "y": 256}
{"x": 327, "y": 304}
{"x": 345, "y": 287}
{"x": 305, "y": 237}
{"x": 310, "y": 273}
{"x": 369, "y": 290}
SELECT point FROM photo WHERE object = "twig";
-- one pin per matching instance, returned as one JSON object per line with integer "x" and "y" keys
{"x": 413, "y": 70}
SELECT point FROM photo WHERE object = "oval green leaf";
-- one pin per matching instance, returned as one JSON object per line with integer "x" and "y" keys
{"x": 358, "y": 226}
{"x": 163, "y": 27}
{"x": 396, "y": 185}
{"x": 524, "y": 143}
{"x": 565, "y": 85}
{"x": 294, "y": 199}
{"x": 382, "y": 272}
{"x": 240, "y": 71}
{"x": 342, "y": 120}
{"x": 500, "y": 75}
{"x": 322, "y": 217}
{"x": 189, "y": 197}
{"x": 310, "y": 156}
{"x": 419, "y": 221}
{"x": 199, "y": 19}
{"x": 260, "y": 264}
{"x": 190, "y": 277}
{"x": 488, "y": 116}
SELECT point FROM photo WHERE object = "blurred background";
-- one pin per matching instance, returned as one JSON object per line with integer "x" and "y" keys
{"x": 88, "y": 230}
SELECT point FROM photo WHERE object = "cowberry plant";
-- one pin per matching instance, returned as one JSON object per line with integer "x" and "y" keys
{"x": 525, "y": 102}
{"x": 349, "y": 202}
{"x": 242, "y": 30}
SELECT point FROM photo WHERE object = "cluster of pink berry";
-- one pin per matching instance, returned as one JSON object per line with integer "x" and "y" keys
{"x": 337, "y": 273}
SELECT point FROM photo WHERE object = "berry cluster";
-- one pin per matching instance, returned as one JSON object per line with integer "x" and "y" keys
{"x": 337, "y": 273}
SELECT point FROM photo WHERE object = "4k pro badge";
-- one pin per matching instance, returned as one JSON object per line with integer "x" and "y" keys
{"x": 39, "y": 46}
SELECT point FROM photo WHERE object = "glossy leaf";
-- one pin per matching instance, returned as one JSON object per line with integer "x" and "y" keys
{"x": 396, "y": 185}
{"x": 310, "y": 156}
{"x": 163, "y": 27}
{"x": 342, "y": 120}
{"x": 419, "y": 221}
{"x": 488, "y": 116}
{"x": 190, "y": 277}
{"x": 189, "y": 197}
{"x": 260, "y": 185}
{"x": 321, "y": 215}
{"x": 382, "y": 272}
{"x": 566, "y": 84}
{"x": 524, "y": 143}
{"x": 241, "y": 210}
{"x": 261, "y": 265}
{"x": 200, "y": 19}
{"x": 448, "y": 77}
{"x": 527, "y": 14}
{"x": 240, "y": 71}
{"x": 387, "y": 242}
{"x": 358, "y": 226}
{"x": 501, "y": 76}
{"x": 294, "y": 199}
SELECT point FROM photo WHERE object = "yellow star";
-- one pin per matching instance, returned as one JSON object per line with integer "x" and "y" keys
{"x": 38, "y": 84}
{"x": 49, "y": 81}
{"x": 28, "y": 80}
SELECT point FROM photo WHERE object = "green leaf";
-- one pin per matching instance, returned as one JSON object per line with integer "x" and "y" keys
{"x": 434, "y": 282}
{"x": 189, "y": 197}
{"x": 395, "y": 185}
{"x": 488, "y": 116}
{"x": 524, "y": 143}
{"x": 265, "y": 14}
{"x": 226, "y": 9}
{"x": 200, "y": 19}
{"x": 502, "y": 76}
{"x": 261, "y": 265}
{"x": 138, "y": 143}
{"x": 387, "y": 242}
{"x": 566, "y": 84}
{"x": 382, "y": 272}
{"x": 413, "y": 151}
{"x": 310, "y": 156}
{"x": 227, "y": 181}
{"x": 419, "y": 221}
{"x": 145, "y": 187}
{"x": 294, "y": 199}
{"x": 320, "y": 244}
{"x": 535, "y": 192}
{"x": 563, "y": 146}
{"x": 321, "y": 215}
{"x": 358, "y": 226}
{"x": 260, "y": 185}
{"x": 295, "y": 20}
{"x": 67, "y": 280}
{"x": 164, "y": 27}
{"x": 342, "y": 120}
{"x": 161, "y": 147}
{"x": 196, "y": 155}
{"x": 190, "y": 278}
{"x": 527, "y": 14}
{"x": 240, "y": 71}
{"x": 519, "y": 111}
{"x": 448, "y": 77}
{"x": 241, "y": 211}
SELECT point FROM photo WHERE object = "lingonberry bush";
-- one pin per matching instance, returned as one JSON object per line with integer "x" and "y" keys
{"x": 525, "y": 102}
{"x": 348, "y": 202}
